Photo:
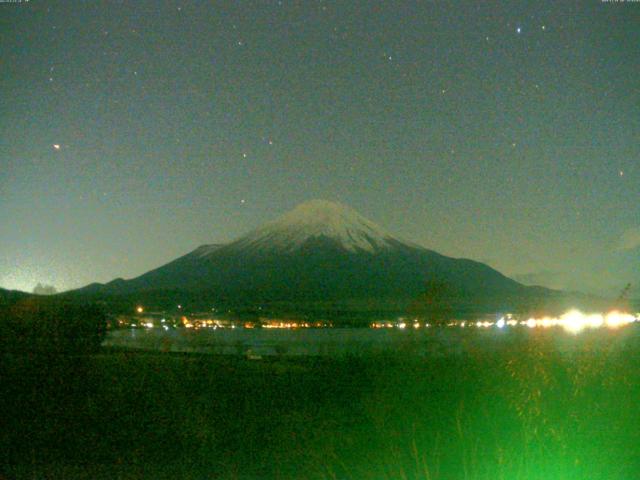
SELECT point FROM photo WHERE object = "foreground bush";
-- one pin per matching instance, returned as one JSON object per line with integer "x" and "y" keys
{"x": 527, "y": 410}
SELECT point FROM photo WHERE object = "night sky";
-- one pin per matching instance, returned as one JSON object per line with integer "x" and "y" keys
{"x": 133, "y": 132}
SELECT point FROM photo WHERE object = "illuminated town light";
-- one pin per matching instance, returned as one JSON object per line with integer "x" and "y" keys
{"x": 575, "y": 321}
{"x": 139, "y": 309}
{"x": 500, "y": 323}
{"x": 616, "y": 319}
{"x": 572, "y": 321}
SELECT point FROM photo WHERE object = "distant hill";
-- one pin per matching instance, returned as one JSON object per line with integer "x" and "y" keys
{"x": 8, "y": 297}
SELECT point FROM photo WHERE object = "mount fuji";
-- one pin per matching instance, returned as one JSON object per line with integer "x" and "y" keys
{"x": 321, "y": 255}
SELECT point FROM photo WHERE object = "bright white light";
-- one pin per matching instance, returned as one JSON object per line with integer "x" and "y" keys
{"x": 574, "y": 321}
{"x": 616, "y": 319}
{"x": 500, "y": 323}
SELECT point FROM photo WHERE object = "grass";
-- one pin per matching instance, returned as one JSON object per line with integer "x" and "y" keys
{"x": 523, "y": 411}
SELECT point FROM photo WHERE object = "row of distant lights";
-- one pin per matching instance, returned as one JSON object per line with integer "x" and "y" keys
{"x": 573, "y": 321}
{"x": 140, "y": 309}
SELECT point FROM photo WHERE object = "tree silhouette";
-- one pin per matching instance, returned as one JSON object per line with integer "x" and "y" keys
{"x": 435, "y": 302}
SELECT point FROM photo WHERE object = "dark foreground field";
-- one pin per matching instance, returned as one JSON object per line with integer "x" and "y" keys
{"x": 523, "y": 412}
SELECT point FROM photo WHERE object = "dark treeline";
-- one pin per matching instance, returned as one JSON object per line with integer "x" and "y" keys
{"x": 51, "y": 325}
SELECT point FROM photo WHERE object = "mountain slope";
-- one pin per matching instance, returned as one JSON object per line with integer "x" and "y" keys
{"x": 320, "y": 252}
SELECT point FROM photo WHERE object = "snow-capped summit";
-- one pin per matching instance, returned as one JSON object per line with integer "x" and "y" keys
{"x": 318, "y": 219}
{"x": 321, "y": 255}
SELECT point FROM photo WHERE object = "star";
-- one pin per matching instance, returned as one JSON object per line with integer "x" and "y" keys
{"x": 519, "y": 30}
